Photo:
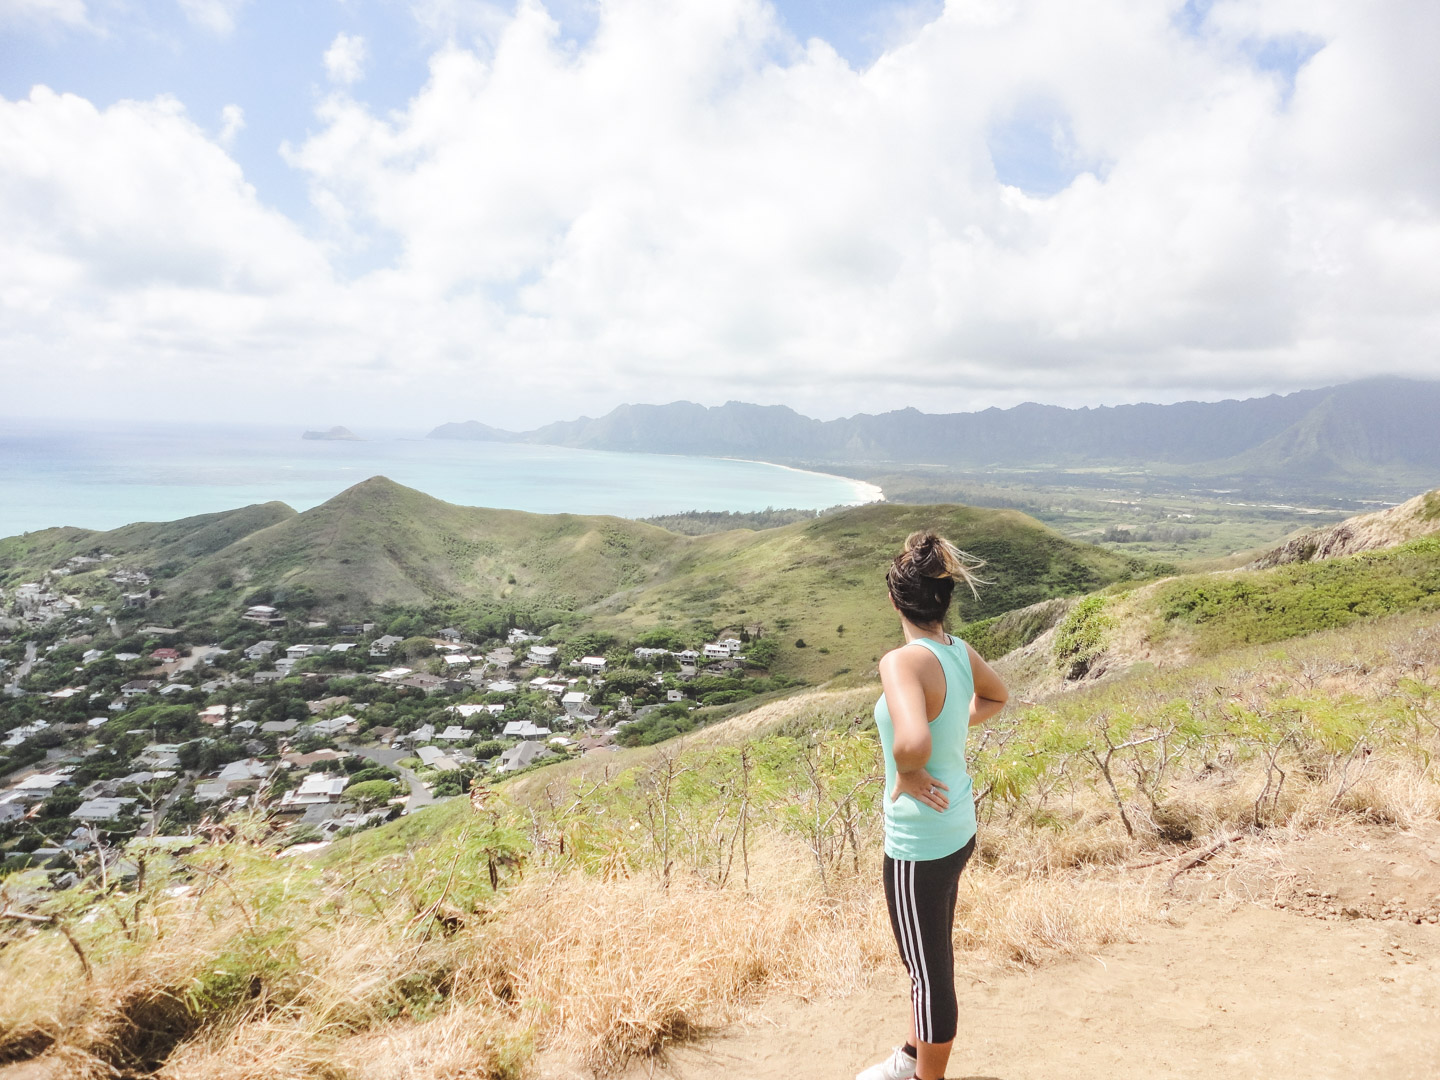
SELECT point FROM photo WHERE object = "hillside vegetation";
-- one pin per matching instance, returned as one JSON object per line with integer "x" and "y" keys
{"x": 1410, "y": 520}
{"x": 598, "y": 913}
{"x": 814, "y": 587}
{"x": 163, "y": 546}
{"x": 1174, "y": 621}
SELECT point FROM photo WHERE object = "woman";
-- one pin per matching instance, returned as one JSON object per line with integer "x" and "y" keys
{"x": 935, "y": 689}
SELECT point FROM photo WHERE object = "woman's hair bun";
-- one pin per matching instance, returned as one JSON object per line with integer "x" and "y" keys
{"x": 923, "y": 576}
{"x": 932, "y": 556}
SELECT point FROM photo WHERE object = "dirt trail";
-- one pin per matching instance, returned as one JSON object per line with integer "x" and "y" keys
{"x": 1262, "y": 981}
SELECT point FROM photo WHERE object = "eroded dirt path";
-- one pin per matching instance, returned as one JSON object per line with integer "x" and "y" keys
{"x": 1252, "y": 976}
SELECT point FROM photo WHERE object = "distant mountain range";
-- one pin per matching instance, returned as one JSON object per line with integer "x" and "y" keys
{"x": 1339, "y": 432}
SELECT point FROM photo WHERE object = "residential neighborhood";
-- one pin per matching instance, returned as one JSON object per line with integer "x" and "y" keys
{"x": 114, "y": 728}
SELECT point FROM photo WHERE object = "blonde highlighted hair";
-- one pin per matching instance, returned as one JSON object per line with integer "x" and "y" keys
{"x": 922, "y": 577}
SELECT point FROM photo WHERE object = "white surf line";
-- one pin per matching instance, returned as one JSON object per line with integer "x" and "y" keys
{"x": 865, "y": 491}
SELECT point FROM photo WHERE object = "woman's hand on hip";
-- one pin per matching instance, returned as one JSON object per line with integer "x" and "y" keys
{"x": 920, "y": 785}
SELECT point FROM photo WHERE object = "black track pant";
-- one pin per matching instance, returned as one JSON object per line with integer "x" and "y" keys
{"x": 921, "y": 897}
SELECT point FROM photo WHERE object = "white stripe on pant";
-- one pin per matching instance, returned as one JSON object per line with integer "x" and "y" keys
{"x": 921, "y": 895}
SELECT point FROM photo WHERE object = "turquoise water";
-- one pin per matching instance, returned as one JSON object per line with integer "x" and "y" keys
{"x": 101, "y": 478}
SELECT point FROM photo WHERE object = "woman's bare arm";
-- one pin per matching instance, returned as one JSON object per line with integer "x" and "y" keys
{"x": 990, "y": 692}
{"x": 900, "y": 675}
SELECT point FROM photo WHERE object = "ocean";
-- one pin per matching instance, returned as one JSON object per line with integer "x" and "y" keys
{"x": 101, "y": 477}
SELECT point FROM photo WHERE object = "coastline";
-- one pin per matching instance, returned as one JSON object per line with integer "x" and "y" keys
{"x": 871, "y": 493}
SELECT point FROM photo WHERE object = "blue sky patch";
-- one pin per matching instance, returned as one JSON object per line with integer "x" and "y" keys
{"x": 1033, "y": 149}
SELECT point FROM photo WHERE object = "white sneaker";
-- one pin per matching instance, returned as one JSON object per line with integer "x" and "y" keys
{"x": 898, "y": 1066}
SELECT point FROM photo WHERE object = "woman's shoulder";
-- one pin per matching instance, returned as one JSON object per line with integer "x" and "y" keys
{"x": 907, "y": 659}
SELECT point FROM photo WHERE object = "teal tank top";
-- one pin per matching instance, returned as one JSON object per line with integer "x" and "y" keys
{"x": 914, "y": 831}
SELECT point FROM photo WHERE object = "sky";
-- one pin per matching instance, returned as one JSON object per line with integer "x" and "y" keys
{"x": 413, "y": 211}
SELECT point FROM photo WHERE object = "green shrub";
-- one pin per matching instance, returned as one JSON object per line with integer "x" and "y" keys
{"x": 377, "y": 772}
{"x": 370, "y": 793}
{"x": 762, "y": 653}
{"x": 1081, "y": 637}
{"x": 1430, "y": 506}
{"x": 1300, "y": 598}
{"x": 994, "y": 637}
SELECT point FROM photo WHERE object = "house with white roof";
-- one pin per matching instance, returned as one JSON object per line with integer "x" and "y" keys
{"x": 423, "y": 734}
{"x": 314, "y": 789}
{"x": 237, "y": 773}
{"x": 381, "y": 646}
{"x": 332, "y": 727}
{"x": 24, "y": 731}
{"x": 524, "y": 729}
{"x": 454, "y": 733}
{"x": 263, "y": 614}
{"x": 521, "y": 756}
{"x": 261, "y": 649}
{"x": 592, "y": 664}
{"x": 544, "y": 654}
{"x": 160, "y": 756}
{"x": 40, "y": 785}
{"x": 103, "y": 809}
{"x": 437, "y": 759}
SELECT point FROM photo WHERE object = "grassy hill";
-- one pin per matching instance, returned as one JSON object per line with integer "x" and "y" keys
{"x": 1410, "y": 520}
{"x": 823, "y": 582}
{"x": 381, "y": 547}
{"x": 161, "y": 546}
{"x": 1370, "y": 566}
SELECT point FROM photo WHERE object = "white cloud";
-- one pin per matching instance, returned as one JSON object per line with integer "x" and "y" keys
{"x": 692, "y": 203}
{"x": 345, "y": 59}
{"x": 232, "y": 122}
{"x": 217, "y": 16}
{"x": 71, "y": 13}
{"x": 133, "y": 254}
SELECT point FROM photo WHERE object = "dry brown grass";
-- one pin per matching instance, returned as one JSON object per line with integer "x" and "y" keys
{"x": 598, "y": 972}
